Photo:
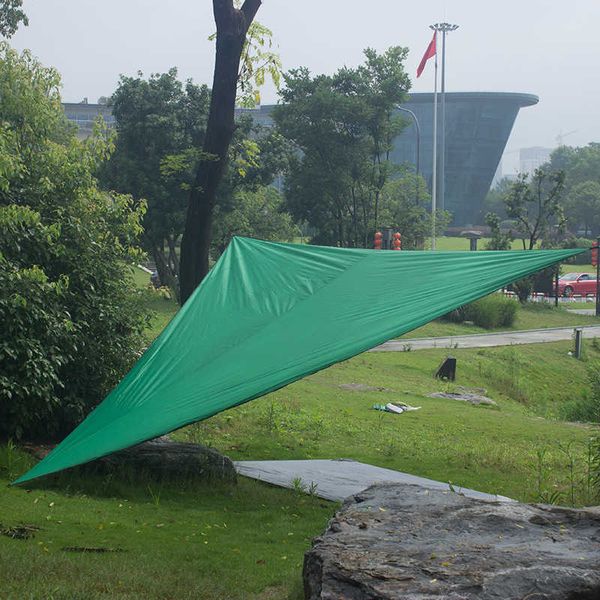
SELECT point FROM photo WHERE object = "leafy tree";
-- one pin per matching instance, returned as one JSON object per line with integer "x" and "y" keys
{"x": 71, "y": 322}
{"x": 582, "y": 175}
{"x": 161, "y": 123}
{"x": 400, "y": 211}
{"x": 579, "y": 164}
{"x": 11, "y": 16}
{"x": 536, "y": 205}
{"x": 343, "y": 126}
{"x": 583, "y": 207}
{"x": 498, "y": 240}
{"x": 156, "y": 118}
{"x": 256, "y": 155}
{"x": 254, "y": 213}
{"x": 232, "y": 28}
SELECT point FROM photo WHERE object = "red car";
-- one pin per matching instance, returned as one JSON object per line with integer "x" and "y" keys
{"x": 577, "y": 283}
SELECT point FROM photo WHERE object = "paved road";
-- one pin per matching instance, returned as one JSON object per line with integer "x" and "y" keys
{"x": 338, "y": 479}
{"x": 487, "y": 340}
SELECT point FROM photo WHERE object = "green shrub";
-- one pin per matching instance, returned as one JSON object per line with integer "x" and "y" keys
{"x": 71, "y": 323}
{"x": 490, "y": 312}
{"x": 575, "y": 242}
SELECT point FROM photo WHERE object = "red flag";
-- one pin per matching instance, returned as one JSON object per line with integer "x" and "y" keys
{"x": 428, "y": 54}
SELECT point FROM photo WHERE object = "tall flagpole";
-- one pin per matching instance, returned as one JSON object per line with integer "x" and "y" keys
{"x": 434, "y": 176}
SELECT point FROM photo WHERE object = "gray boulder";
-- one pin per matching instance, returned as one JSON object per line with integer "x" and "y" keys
{"x": 398, "y": 541}
{"x": 163, "y": 458}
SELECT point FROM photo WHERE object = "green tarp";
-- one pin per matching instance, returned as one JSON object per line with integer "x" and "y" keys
{"x": 269, "y": 314}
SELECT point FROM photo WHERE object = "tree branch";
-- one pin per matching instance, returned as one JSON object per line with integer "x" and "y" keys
{"x": 249, "y": 9}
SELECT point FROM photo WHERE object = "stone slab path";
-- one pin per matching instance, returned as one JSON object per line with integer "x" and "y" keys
{"x": 487, "y": 340}
{"x": 337, "y": 479}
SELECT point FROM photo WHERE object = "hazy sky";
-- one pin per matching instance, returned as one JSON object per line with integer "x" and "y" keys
{"x": 550, "y": 48}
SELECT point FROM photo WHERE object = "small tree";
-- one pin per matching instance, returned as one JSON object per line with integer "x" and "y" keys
{"x": 498, "y": 239}
{"x": 401, "y": 211}
{"x": 253, "y": 213}
{"x": 535, "y": 203}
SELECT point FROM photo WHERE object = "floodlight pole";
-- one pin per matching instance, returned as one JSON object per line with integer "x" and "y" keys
{"x": 417, "y": 161}
{"x": 434, "y": 170}
{"x": 443, "y": 28}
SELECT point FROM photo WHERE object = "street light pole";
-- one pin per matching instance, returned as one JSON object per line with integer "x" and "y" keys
{"x": 443, "y": 28}
{"x": 417, "y": 162}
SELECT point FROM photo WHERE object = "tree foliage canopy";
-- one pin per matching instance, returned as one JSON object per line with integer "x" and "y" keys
{"x": 157, "y": 118}
{"x": 343, "y": 126}
{"x": 71, "y": 323}
{"x": 582, "y": 186}
{"x": 161, "y": 124}
{"x": 11, "y": 16}
{"x": 535, "y": 203}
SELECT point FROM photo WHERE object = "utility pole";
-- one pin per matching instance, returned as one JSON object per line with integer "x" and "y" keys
{"x": 443, "y": 28}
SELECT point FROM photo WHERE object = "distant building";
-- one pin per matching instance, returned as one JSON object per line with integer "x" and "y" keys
{"x": 84, "y": 114}
{"x": 532, "y": 158}
{"x": 478, "y": 125}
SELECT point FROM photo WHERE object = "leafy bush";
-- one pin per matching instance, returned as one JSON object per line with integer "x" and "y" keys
{"x": 580, "y": 259}
{"x": 71, "y": 323}
{"x": 490, "y": 312}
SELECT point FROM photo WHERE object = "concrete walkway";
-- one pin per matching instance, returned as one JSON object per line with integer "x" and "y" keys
{"x": 487, "y": 340}
{"x": 583, "y": 311}
{"x": 338, "y": 479}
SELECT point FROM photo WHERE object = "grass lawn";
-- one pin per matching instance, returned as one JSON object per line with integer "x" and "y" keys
{"x": 177, "y": 542}
{"x": 247, "y": 540}
{"x": 162, "y": 306}
{"x": 462, "y": 243}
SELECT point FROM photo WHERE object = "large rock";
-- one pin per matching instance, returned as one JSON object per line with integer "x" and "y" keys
{"x": 397, "y": 541}
{"x": 163, "y": 458}
{"x": 160, "y": 458}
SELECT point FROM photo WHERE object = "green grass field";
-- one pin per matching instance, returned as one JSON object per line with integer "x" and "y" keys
{"x": 186, "y": 540}
{"x": 462, "y": 243}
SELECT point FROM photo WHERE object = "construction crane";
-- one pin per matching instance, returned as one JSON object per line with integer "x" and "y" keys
{"x": 561, "y": 137}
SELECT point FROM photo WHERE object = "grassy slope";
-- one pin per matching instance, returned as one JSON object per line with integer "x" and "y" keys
{"x": 492, "y": 449}
{"x": 516, "y": 448}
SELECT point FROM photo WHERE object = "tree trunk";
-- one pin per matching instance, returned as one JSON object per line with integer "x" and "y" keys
{"x": 166, "y": 275}
{"x": 232, "y": 26}
{"x": 173, "y": 260}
